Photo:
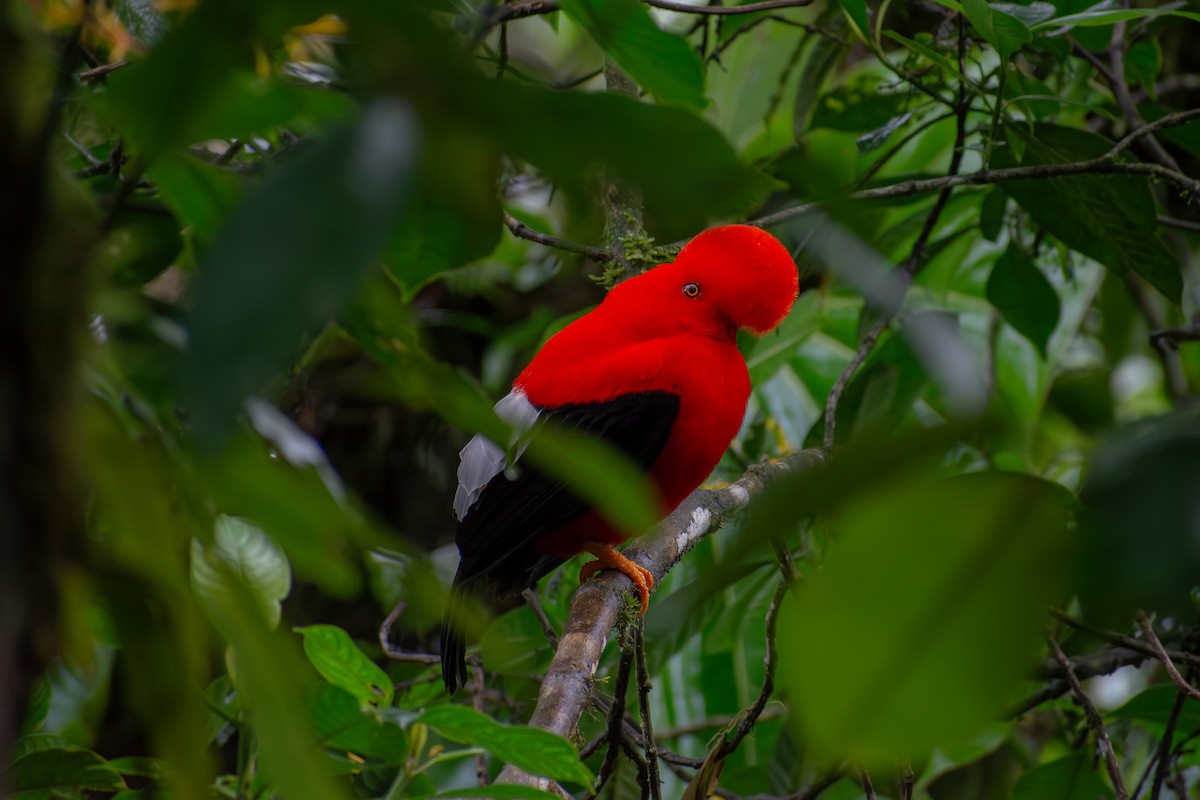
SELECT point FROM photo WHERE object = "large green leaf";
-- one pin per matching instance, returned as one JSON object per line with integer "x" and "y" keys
{"x": 1110, "y": 218}
{"x": 1146, "y": 481}
{"x": 1021, "y": 293}
{"x": 531, "y": 749}
{"x": 1110, "y": 16}
{"x": 292, "y": 255}
{"x": 927, "y": 614}
{"x": 244, "y": 551}
{"x": 54, "y": 770}
{"x": 342, "y": 663}
{"x": 341, "y": 724}
{"x": 662, "y": 63}
{"x": 200, "y": 195}
{"x": 1071, "y": 778}
{"x": 1157, "y": 705}
{"x": 1003, "y": 31}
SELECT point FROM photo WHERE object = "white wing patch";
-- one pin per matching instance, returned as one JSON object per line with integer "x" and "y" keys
{"x": 482, "y": 459}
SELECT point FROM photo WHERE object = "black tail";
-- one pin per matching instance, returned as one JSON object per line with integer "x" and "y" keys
{"x": 454, "y": 645}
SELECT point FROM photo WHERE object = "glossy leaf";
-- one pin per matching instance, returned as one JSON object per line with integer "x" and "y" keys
{"x": 1071, "y": 778}
{"x": 1148, "y": 481}
{"x": 1020, "y": 292}
{"x": 246, "y": 553}
{"x": 1003, "y": 31}
{"x": 341, "y": 724}
{"x": 531, "y": 749}
{"x": 342, "y": 663}
{"x": 1111, "y": 218}
{"x": 662, "y": 63}
{"x": 62, "y": 770}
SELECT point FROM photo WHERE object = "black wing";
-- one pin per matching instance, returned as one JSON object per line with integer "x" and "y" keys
{"x": 496, "y": 537}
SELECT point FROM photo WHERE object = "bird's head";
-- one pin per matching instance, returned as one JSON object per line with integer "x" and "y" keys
{"x": 738, "y": 275}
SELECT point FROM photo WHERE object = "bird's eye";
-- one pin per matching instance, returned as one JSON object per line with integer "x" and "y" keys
{"x": 691, "y": 290}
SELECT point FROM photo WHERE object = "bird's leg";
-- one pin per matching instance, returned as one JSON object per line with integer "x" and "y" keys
{"x": 607, "y": 557}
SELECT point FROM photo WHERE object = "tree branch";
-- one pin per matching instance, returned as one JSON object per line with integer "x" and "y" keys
{"x": 523, "y": 231}
{"x": 530, "y": 8}
{"x": 1095, "y": 721}
{"x": 985, "y": 177}
{"x": 1165, "y": 657}
{"x": 567, "y": 687}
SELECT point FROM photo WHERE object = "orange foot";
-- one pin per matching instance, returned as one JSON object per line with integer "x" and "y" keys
{"x": 608, "y": 558}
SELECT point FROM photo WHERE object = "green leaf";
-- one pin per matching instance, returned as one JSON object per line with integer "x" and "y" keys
{"x": 531, "y": 749}
{"x": 342, "y": 663}
{"x": 454, "y": 216}
{"x": 200, "y": 195}
{"x": 139, "y": 247}
{"x": 248, "y": 554}
{"x": 858, "y": 108}
{"x": 1155, "y": 705}
{"x": 341, "y": 723}
{"x": 1109, "y": 16}
{"x": 923, "y": 50}
{"x": 1071, "y": 778}
{"x": 939, "y": 589}
{"x": 662, "y": 63}
{"x": 1002, "y": 31}
{"x": 62, "y": 770}
{"x": 991, "y": 213}
{"x": 1110, "y": 218}
{"x": 856, "y": 11}
{"x": 1023, "y": 295}
{"x": 294, "y": 253}
{"x": 1147, "y": 480}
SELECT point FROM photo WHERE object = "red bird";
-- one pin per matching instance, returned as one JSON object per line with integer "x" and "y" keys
{"x": 655, "y": 371}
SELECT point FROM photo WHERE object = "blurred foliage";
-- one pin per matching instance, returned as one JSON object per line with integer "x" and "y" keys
{"x": 287, "y": 225}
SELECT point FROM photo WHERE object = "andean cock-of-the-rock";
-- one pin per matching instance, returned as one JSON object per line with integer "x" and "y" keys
{"x": 654, "y": 371}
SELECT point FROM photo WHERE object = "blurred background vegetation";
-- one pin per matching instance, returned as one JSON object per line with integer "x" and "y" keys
{"x": 267, "y": 265}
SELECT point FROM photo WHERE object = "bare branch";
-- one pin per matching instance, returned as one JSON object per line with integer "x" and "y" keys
{"x": 644, "y": 686}
{"x": 1095, "y": 721}
{"x": 393, "y": 652}
{"x": 748, "y": 8}
{"x": 1161, "y": 653}
{"x": 1168, "y": 121}
{"x": 523, "y": 231}
{"x": 986, "y": 177}
{"x": 101, "y": 71}
{"x": 1121, "y": 640}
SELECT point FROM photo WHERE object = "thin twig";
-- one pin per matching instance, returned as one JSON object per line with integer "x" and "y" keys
{"x": 1161, "y": 653}
{"x": 529, "y": 8}
{"x": 1167, "y": 121}
{"x": 102, "y": 70}
{"x": 394, "y": 653}
{"x": 478, "y": 691}
{"x": 987, "y": 177}
{"x": 523, "y": 231}
{"x": 535, "y": 605}
{"x": 643, "y": 685}
{"x": 1182, "y": 224}
{"x": 1121, "y": 640}
{"x": 864, "y": 778}
{"x": 1095, "y": 721}
{"x": 1120, "y": 89}
{"x": 616, "y": 714}
{"x": 748, "y": 8}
